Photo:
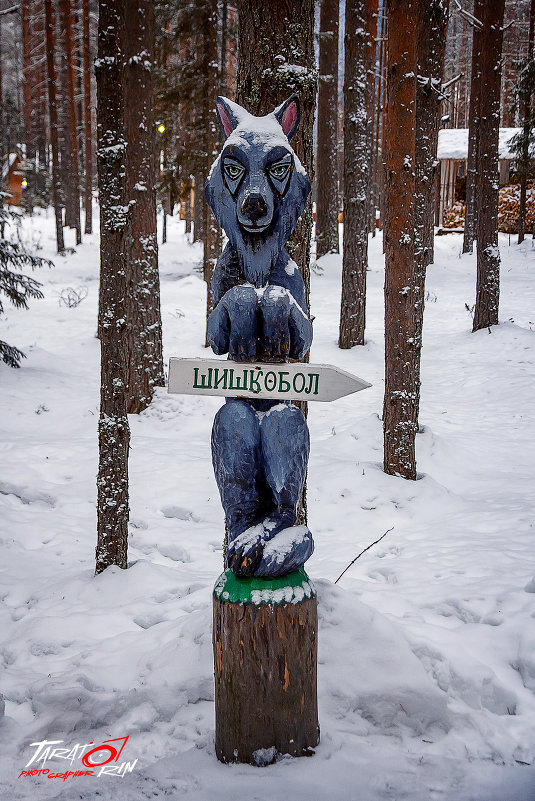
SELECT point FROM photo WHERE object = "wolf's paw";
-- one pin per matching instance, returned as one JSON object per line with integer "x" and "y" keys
{"x": 245, "y": 552}
{"x": 285, "y": 552}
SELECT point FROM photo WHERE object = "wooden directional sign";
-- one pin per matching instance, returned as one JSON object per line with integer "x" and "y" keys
{"x": 296, "y": 381}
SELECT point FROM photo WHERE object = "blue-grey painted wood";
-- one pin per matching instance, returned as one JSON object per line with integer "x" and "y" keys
{"x": 257, "y": 190}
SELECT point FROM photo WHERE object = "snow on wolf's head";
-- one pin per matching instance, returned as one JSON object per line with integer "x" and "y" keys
{"x": 257, "y": 187}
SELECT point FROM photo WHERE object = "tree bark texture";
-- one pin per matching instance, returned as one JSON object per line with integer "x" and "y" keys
{"x": 470, "y": 208}
{"x": 401, "y": 378}
{"x": 27, "y": 75}
{"x": 39, "y": 94}
{"x": 372, "y": 20}
{"x": 199, "y": 215}
{"x": 2, "y": 143}
{"x": 114, "y": 432}
{"x": 526, "y": 95}
{"x": 432, "y": 26}
{"x": 488, "y": 185}
{"x": 145, "y": 359}
{"x": 276, "y": 59}
{"x": 212, "y": 232}
{"x": 356, "y": 181}
{"x": 72, "y": 188}
{"x": 88, "y": 138}
{"x": 327, "y": 150}
{"x": 380, "y": 121}
{"x": 50, "y": 29}
{"x": 187, "y": 208}
{"x": 265, "y": 680}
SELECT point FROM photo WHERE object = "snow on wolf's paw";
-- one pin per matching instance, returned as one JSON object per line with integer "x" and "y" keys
{"x": 245, "y": 551}
{"x": 287, "y": 551}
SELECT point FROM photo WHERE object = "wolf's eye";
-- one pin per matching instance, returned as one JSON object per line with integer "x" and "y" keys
{"x": 233, "y": 171}
{"x": 279, "y": 171}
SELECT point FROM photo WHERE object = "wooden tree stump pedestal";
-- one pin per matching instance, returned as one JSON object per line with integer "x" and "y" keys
{"x": 265, "y": 657}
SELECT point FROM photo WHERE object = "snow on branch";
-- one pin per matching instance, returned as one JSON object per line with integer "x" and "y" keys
{"x": 473, "y": 21}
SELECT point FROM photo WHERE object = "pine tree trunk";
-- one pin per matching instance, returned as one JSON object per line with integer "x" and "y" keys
{"x": 327, "y": 152}
{"x": 470, "y": 209}
{"x": 145, "y": 359}
{"x": 50, "y": 29}
{"x": 525, "y": 115}
{"x": 27, "y": 75}
{"x": 433, "y": 21}
{"x": 187, "y": 208}
{"x": 199, "y": 215}
{"x": 487, "y": 188}
{"x": 39, "y": 96}
{"x": 223, "y": 66}
{"x": 379, "y": 121}
{"x": 401, "y": 378}
{"x": 212, "y": 232}
{"x": 73, "y": 187}
{"x": 275, "y": 43}
{"x": 2, "y": 142}
{"x": 114, "y": 432}
{"x": 356, "y": 182}
{"x": 372, "y": 15}
{"x": 88, "y": 139}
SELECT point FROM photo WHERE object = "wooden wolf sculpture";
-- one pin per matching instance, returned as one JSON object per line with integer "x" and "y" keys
{"x": 257, "y": 190}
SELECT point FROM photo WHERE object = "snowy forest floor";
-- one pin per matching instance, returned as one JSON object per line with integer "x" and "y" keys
{"x": 426, "y": 646}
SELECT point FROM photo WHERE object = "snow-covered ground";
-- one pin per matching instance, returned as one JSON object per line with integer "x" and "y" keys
{"x": 427, "y": 644}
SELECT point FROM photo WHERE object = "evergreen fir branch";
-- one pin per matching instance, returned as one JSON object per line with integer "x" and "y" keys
{"x": 11, "y": 355}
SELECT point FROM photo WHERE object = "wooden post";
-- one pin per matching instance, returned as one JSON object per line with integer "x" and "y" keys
{"x": 265, "y": 648}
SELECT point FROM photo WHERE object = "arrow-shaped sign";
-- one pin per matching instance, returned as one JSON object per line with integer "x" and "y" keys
{"x": 296, "y": 381}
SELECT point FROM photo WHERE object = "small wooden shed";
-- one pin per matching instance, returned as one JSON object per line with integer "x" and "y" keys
{"x": 13, "y": 169}
{"x": 453, "y": 154}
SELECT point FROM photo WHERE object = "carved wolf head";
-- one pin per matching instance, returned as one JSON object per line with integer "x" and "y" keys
{"x": 257, "y": 186}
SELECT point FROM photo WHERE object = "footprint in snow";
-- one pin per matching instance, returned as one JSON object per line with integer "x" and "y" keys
{"x": 27, "y": 495}
{"x": 175, "y": 552}
{"x": 179, "y": 513}
{"x": 147, "y": 621}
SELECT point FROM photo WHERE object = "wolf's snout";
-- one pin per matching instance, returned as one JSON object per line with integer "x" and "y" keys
{"x": 254, "y": 207}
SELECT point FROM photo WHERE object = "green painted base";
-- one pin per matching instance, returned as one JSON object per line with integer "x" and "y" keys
{"x": 293, "y": 589}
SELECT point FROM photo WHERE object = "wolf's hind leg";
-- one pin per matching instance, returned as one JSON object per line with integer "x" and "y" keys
{"x": 285, "y": 448}
{"x": 236, "y": 456}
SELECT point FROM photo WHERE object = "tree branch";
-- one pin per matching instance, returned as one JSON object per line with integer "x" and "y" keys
{"x": 364, "y": 551}
{"x": 10, "y": 10}
{"x": 473, "y": 21}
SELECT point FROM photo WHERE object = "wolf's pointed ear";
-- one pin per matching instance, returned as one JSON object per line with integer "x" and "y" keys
{"x": 289, "y": 114}
{"x": 228, "y": 114}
